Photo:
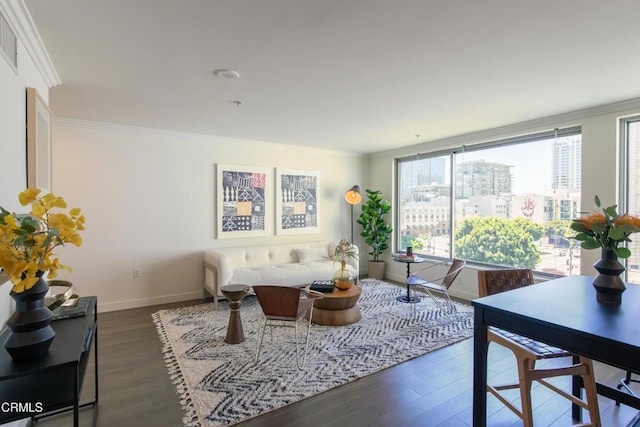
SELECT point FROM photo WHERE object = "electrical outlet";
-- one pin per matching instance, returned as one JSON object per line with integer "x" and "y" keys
{"x": 137, "y": 273}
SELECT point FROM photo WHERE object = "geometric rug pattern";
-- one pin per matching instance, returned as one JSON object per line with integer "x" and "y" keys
{"x": 219, "y": 384}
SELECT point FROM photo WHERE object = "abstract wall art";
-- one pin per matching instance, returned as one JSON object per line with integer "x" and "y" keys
{"x": 244, "y": 201}
{"x": 296, "y": 201}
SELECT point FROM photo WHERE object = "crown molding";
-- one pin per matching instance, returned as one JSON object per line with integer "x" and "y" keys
{"x": 140, "y": 130}
{"x": 18, "y": 16}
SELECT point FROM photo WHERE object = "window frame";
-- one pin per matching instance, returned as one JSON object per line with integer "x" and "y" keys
{"x": 451, "y": 153}
{"x": 624, "y": 177}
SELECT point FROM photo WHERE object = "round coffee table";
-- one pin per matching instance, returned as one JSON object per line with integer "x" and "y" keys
{"x": 235, "y": 294}
{"x": 338, "y": 308}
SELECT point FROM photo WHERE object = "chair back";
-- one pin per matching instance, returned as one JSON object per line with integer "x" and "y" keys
{"x": 495, "y": 281}
{"x": 456, "y": 267}
{"x": 278, "y": 301}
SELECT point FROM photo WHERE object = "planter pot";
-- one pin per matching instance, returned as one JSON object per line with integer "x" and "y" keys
{"x": 376, "y": 270}
{"x": 30, "y": 328}
{"x": 609, "y": 286}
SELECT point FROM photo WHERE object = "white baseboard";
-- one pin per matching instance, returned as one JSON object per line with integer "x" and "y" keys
{"x": 146, "y": 302}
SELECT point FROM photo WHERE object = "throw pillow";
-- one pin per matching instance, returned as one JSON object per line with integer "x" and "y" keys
{"x": 312, "y": 254}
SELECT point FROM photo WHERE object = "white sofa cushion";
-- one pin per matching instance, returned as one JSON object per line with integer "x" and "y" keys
{"x": 306, "y": 255}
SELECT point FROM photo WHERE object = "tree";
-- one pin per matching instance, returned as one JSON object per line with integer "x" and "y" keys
{"x": 559, "y": 227}
{"x": 531, "y": 227}
{"x": 508, "y": 242}
{"x": 409, "y": 240}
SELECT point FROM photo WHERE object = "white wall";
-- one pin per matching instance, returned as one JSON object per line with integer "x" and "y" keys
{"x": 149, "y": 201}
{"x": 600, "y": 153}
{"x": 13, "y": 171}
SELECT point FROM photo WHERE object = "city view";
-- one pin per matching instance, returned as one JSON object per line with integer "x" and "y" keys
{"x": 513, "y": 205}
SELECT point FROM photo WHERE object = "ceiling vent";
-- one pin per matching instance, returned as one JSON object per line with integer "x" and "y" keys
{"x": 8, "y": 43}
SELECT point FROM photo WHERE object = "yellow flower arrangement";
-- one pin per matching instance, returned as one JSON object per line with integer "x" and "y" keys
{"x": 27, "y": 241}
{"x": 606, "y": 229}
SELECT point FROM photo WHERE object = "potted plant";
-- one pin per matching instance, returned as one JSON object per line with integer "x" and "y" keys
{"x": 375, "y": 231}
{"x": 27, "y": 243}
{"x": 609, "y": 231}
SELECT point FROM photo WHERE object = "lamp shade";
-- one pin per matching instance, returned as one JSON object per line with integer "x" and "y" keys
{"x": 352, "y": 196}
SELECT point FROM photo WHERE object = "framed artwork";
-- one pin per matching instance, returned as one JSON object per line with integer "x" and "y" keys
{"x": 296, "y": 201}
{"x": 38, "y": 142}
{"x": 244, "y": 201}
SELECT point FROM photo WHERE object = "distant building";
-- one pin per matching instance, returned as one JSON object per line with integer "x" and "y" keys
{"x": 494, "y": 206}
{"x": 419, "y": 173}
{"x": 428, "y": 192}
{"x": 561, "y": 205}
{"x": 482, "y": 178}
{"x": 430, "y": 217}
{"x": 567, "y": 163}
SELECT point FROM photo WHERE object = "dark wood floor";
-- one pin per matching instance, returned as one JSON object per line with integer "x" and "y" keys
{"x": 432, "y": 390}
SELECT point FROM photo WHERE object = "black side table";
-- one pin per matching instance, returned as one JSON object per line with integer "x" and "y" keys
{"x": 52, "y": 383}
{"x": 408, "y": 298}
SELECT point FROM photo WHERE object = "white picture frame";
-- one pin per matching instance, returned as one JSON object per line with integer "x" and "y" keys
{"x": 38, "y": 141}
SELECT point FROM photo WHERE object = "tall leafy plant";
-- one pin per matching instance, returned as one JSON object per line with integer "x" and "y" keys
{"x": 375, "y": 231}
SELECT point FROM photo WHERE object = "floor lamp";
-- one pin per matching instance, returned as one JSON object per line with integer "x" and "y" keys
{"x": 353, "y": 197}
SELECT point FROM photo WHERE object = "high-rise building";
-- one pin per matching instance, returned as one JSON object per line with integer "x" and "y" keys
{"x": 420, "y": 173}
{"x": 482, "y": 178}
{"x": 567, "y": 163}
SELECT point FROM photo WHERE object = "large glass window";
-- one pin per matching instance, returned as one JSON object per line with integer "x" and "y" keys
{"x": 631, "y": 188}
{"x": 507, "y": 203}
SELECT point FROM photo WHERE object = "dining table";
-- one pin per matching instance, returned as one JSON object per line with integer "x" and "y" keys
{"x": 564, "y": 313}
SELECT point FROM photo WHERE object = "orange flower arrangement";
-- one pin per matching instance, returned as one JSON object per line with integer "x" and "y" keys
{"x": 606, "y": 230}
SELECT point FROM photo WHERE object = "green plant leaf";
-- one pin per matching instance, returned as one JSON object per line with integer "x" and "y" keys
{"x": 590, "y": 244}
{"x": 577, "y": 226}
{"x": 623, "y": 252}
{"x": 616, "y": 233}
{"x": 611, "y": 211}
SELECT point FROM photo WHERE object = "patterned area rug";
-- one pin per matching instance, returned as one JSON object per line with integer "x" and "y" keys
{"x": 220, "y": 385}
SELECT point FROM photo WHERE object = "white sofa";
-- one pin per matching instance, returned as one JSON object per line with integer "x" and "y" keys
{"x": 291, "y": 264}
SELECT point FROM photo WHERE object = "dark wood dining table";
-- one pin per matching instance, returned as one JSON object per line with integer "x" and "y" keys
{"x": 564, "y": 313}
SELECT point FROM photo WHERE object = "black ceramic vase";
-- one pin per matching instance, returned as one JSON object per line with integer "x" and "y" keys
{"x": 30, "y": 328}
{"x": 609, "y": 286}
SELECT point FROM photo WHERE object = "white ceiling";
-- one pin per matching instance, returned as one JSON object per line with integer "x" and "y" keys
{"x": 357, "y": 75}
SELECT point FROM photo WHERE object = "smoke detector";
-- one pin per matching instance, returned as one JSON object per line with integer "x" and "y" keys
{"x": 226, "y": 74}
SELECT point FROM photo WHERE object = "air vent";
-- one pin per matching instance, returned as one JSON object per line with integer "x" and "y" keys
{"x": 8, "y": 43}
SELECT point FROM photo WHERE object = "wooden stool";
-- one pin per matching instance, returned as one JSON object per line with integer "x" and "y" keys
{"x": 235, "y": 294}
